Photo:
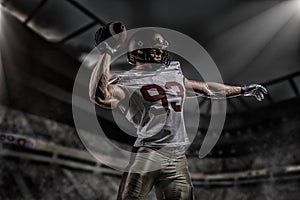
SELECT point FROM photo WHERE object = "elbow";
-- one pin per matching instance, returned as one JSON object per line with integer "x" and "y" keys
{"x": 101, "y": 100}
{"x": 97, "y": 95}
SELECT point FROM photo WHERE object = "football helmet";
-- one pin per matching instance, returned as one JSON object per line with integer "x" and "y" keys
{"x": 148, "y": 46}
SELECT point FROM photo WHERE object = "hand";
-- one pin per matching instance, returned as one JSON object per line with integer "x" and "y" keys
{"x": 104, "y": 40}
{"x": 256, "y": 90}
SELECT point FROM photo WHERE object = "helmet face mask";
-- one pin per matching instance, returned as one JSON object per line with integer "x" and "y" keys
{"x": 155, "y": 54}
{"x": 139, "y": 48}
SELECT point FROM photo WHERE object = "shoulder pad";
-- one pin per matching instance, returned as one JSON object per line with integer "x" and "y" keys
{"x": 174, "y": 65}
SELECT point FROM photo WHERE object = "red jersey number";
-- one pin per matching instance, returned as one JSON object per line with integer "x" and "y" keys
{"x": 162, "y": 94}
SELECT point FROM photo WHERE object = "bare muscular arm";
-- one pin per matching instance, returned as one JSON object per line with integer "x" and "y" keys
{"x": 211, "y": 89}
{"x": 101, "y": 91}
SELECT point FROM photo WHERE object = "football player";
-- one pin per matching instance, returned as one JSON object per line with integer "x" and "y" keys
{"x": 151, "y": 96}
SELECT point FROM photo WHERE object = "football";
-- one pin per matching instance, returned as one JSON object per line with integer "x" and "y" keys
{"x": 115, "y": 32}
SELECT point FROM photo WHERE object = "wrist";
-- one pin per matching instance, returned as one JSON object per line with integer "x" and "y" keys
{"x": 244, "y": 89}
{"x": 105, "y": 48}
{"x": 105, "y": 51}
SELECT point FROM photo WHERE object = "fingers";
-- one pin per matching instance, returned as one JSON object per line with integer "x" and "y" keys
{"x": 259, "y": 92}
{"x": 259, "y": 95}
{"x": 263, "y": 89}
{"x": 262, "y": 96}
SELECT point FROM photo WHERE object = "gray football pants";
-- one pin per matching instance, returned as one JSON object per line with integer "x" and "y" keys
{"x": 170, "y": 178}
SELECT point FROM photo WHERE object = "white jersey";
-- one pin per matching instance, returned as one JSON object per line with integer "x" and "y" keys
{"x": 155, "y": 101}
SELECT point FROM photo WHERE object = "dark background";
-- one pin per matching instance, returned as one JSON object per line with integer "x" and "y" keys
{"x": 43, "y": 43}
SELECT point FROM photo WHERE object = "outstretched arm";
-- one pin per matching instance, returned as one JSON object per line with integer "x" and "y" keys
{"x": 218, "y": 91}
{"x": 212, "y": 89}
